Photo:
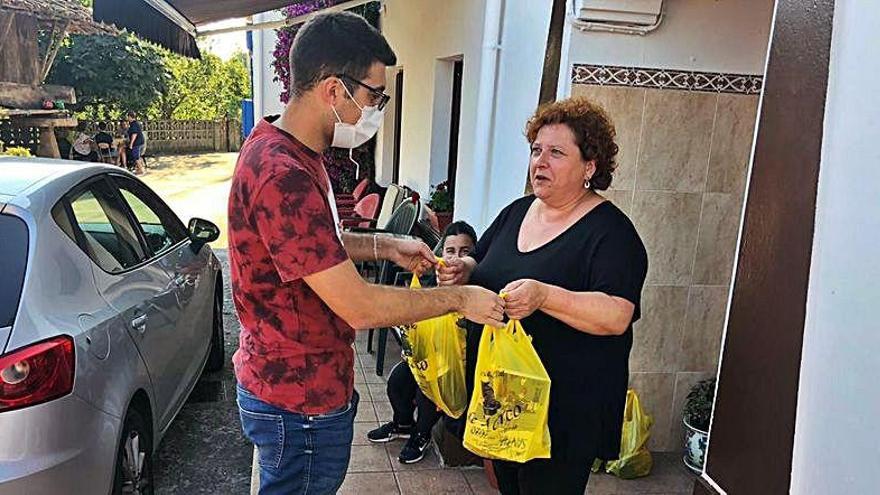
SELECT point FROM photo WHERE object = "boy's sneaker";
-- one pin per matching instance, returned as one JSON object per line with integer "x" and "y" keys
{"x": 388, "y": 432}
{"x": 414, "y": 450}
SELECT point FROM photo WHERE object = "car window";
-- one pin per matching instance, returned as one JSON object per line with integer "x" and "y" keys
{"x": 14, "y": 246}
{"x": 161, "y": 227}
{"x": 109, "y": 239}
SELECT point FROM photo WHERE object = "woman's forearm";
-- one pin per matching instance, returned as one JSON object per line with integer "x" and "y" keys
{"x": 595, "y": 313}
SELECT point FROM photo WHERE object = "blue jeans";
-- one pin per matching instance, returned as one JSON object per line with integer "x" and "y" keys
{"x": 298, "y": 453}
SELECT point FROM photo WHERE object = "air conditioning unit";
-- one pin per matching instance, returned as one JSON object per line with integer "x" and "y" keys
{"x": 619, "y": 12}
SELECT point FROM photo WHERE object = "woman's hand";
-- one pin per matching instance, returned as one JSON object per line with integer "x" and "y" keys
{"x": 456, "y": 271}
{"x": 524, "y": 297}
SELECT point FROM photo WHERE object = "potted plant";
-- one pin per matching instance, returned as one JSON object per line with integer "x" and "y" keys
{"x": 441, "y": 204}
{"x": 697, "y": 413}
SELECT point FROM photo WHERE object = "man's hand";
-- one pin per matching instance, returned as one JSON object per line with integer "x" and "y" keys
{"x": 523, "y": 297}
{"x": 454, "y": 272}
{"x": 411, "y": 255}
{"x": 482, "y": 306}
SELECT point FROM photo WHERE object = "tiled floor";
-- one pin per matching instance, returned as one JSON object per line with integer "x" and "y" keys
{"x": 374, "y": 469}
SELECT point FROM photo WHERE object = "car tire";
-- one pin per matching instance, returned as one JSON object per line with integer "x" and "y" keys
{"x": 217, "y": 354}
{"x": 134, "y": 457}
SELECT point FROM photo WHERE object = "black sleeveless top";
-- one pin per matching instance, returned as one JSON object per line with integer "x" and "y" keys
{"x": 601, "y": 252}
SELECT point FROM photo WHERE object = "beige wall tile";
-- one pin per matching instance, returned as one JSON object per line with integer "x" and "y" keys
{"x": 716, "y": 245}
{"x": 683, "y": 384}
{"x": 667, "y": 223}
{"x": 701, "y": 340}
{"x": 624, "y": 106}
{"x": 732, "y": 143}
{"x": 655, "y": 395}
{"x": 657, "y": 335}
{"x": 621, "y": 198}
{"x": 674, "y": 149}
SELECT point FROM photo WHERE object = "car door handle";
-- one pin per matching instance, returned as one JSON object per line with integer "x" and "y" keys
{"x": 139, "y": 323}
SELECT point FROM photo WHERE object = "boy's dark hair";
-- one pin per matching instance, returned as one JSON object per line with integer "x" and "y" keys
{"x": 131, "y": 114}
{"x": 335, "y": 43}
{"x": 102, "y": 126}
{"x": 458, "y": 228}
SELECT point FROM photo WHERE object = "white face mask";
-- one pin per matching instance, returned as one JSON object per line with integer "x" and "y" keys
{"x": 354, "y": 135}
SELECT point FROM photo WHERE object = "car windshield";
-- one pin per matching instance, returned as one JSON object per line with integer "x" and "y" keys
{"x": 13, "y": 260}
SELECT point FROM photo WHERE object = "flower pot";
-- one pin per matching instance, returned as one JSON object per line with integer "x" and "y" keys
{"x": 695, "y": 441}
{"x": 444, "y": 218}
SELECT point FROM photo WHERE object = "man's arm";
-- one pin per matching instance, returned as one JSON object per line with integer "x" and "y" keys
{"x": 410, "y": 254}
{"x": 364, "y": 305}
{"x": 360, "y": 247}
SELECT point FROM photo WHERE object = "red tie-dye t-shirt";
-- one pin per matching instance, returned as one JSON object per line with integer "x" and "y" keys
{"x": 294, "y": 352}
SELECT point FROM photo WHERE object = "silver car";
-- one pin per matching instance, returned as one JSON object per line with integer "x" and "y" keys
{"x": 110, "y": 309}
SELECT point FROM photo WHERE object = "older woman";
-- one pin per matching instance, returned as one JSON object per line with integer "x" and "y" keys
{"x": 573, "y": 266}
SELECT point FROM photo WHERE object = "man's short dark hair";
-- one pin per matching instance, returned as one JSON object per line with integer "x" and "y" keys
{"x": 131, "y": 114}
{"x": 459, "y": 228}
{"x": 332, "y": 44}
{"x": 102, "y": 126}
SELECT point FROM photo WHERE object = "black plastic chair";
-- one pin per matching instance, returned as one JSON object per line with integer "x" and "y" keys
{"x": 402, "y": 222}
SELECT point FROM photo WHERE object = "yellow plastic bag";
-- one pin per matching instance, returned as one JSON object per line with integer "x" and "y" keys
{"x": 635, "y": 460}
{"x": 507, "y": 416}
{"x": 434, "y": 350}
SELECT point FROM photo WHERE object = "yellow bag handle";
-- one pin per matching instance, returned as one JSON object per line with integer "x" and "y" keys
{"x": 415, "y": 283}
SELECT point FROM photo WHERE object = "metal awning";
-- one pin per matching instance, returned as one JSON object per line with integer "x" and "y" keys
{"x": 174, "y": 24}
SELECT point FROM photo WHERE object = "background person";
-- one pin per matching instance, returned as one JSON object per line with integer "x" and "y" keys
{"x": 83, "y": 145}
{"x": 102, "y": 137}
{"x": 136, "y": 142}
{"x": 404, "y": 394}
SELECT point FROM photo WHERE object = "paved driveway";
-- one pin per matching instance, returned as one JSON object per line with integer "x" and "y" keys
{"x": 204, "y": 450}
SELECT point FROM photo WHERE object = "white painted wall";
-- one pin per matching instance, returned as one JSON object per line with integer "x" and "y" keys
{"x": 267, "y": 93}
{"x": 837, "y": 440}
{"x": 423, "y": 32}
{"x": 521, "y": 62}
{"x": 701, "y": 35}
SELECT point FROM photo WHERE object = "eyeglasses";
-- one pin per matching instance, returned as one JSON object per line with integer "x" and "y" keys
{"x": 379, "y": 98}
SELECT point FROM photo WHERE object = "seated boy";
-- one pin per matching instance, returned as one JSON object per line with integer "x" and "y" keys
{"x": 458, "y": 240}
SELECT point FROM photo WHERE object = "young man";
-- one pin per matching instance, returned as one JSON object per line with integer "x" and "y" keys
{"x": 136, "y": 142}
{"x": 297, "y": 292}
{"x": 459, "y": 240}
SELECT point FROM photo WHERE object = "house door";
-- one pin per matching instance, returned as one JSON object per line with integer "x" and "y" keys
{"x": 455, "y": 113}
{"x": 751, "y": 438}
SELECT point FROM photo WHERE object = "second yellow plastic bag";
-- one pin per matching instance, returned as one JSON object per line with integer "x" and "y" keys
{"x": 635, "y": 460}
{"x": 507, "y": 416}
{"x": 434, "y": 351}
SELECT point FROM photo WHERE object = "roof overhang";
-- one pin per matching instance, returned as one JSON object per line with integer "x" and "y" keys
{"x": 175, "y": 24}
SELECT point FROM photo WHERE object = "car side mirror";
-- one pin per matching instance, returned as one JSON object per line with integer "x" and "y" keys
{"x": 202, "y": 232}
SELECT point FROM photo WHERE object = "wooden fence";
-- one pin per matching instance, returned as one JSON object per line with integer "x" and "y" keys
{"x": 183, "y": 136}
{"x": 164, "y": 137}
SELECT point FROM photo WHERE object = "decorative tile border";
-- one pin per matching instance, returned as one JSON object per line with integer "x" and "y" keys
{"x": 713, "y": 82}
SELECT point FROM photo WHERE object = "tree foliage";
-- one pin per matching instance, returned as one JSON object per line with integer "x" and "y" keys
{"x": 111, "y": 74}
{"x": 205, "y": 89}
